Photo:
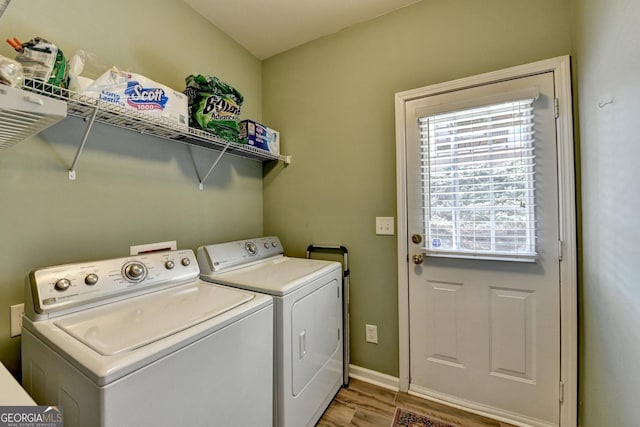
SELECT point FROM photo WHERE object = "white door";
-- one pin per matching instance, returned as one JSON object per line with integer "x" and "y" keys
{"x": 484, "y": 296}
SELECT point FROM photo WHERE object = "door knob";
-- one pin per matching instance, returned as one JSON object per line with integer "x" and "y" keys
{"x": 417, "y": 258}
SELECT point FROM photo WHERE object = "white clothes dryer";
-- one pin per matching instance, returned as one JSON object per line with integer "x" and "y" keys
{"x": 142, "y": 341}
{"x": 308, "y": 319}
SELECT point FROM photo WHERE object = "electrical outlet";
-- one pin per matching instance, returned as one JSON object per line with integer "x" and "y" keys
{"x": 384, "y": 226}
{"x": 17, "y": 311}
{"x": 371, "y": 333}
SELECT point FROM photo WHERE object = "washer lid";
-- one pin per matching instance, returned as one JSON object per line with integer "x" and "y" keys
{"x": 276, "y": 276}
{"x": 133, "y": 323}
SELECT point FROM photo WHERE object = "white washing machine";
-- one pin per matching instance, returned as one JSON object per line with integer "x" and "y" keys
{"x": 142, "y": 341}
{"x": 308, "y": 319}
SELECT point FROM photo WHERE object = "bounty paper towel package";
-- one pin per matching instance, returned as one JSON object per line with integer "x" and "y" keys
{"x": 213, "y": 105}
{"x": 135, "y": 92}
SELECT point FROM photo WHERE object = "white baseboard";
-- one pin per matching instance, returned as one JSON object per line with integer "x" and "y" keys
{"x": 479, "y": 409}
{"x": 374, "y": 377}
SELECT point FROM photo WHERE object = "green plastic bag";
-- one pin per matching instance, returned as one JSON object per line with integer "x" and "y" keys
{"x": 42, "y": 60}
{"x": 213, "y": 106}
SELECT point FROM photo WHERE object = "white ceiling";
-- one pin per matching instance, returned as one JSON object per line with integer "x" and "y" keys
{"x": 268, "y": 27}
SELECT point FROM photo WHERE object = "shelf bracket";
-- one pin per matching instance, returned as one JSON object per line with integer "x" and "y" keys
{"x": 215, "y": 163}
{"x": 72, "y": 170}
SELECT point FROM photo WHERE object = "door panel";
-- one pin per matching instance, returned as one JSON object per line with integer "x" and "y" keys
{"x": 487, "y": 332}
{"x": 445, "y": 299}
{"x": 512, "y": 332}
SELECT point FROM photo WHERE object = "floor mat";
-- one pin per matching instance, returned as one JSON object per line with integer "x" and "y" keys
{"x": 406, "y": 418}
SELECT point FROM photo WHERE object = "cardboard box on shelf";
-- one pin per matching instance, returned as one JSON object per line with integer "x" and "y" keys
{"x": 259, "y": 136}
{"x": 273, "y": 141}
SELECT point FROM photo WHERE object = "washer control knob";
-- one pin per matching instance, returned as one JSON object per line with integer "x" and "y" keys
{"x": 169, "y": 265}
{"x": 266, "y": 245}
{"x": 186, "y": 262}
{"x": 134, "y": 272}
{"x": 91, "y": 279}
{"x": 62, "y": 284}
{"x": 251, "y": 248}
{"x": 274, "y": 244}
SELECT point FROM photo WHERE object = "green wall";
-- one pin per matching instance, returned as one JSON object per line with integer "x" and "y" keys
{"x": 131, "y": 189}
{"x": 333, "y": 101}
{"x": 608, "y": 65}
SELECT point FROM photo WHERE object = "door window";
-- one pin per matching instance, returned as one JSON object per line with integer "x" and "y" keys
{"x": 478, "y": 181}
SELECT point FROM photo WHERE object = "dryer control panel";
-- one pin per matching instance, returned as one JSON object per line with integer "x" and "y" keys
{"x": 225, "y": 256}
{"x": 61, "y": 289}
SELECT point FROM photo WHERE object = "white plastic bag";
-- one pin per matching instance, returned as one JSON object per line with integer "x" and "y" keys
{"x": 11, "y": 72}
{"x": 84, "y": 68}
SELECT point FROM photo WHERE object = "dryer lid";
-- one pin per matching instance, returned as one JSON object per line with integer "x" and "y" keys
{"x": 276, "y": 276}
{"x": 136, "y": 322}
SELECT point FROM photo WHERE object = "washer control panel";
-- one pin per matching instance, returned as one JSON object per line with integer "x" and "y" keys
{"x": 75, "y": 285}
{"x": 224, "y": 256}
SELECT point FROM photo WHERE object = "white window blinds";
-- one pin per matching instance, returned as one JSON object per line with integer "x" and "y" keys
{"x": 478, "y": 180}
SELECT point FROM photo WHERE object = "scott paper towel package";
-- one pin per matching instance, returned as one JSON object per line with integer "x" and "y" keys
{"x": 137, "y": 93}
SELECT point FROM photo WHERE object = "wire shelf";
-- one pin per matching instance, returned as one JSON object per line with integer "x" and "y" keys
{"x": 23, "y": 114}
{"x": 79, "y": 105}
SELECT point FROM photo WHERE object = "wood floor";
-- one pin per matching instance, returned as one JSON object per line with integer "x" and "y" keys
{"x": 366, "y": 405}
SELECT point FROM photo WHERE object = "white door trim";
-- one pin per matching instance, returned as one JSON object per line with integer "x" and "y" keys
{"x": 561, "y": 67}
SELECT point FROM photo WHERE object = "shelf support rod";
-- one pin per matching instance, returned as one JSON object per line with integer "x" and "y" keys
{"x": 214, "y": 165}
{"x": 72, "y": 170}
{"x": 195, "y": 165}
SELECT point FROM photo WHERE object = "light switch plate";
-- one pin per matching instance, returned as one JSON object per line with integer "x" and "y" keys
{"x": 371, "y": 334}
{"x": 384, "y": 226}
